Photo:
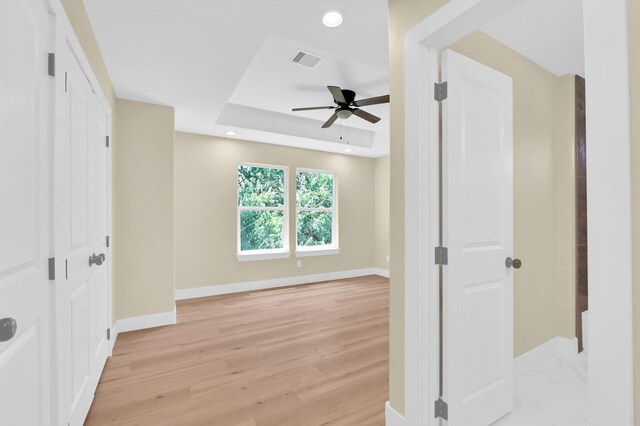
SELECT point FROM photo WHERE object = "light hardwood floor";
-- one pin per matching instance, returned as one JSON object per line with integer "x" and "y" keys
{"x": 299, "y": 356}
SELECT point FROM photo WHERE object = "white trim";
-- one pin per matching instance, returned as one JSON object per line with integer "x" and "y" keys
{"x": 392, "y": 417}
{"x": 455, "y": 20}
{"x": 252, "y": 255}
{"x": 216, "y": 290}
{"x": 317, "y": 251}
{"x": 381, "y": 272}
{"x": 606, "y": 60}
{"x": 144, "y": 321}
{"x": 558, "y": 346}
{"x": 114, "y": 337}
{"x": 610, "y": 377}
{"x": 421, "y": 233}
{"x": 585, "y": 331}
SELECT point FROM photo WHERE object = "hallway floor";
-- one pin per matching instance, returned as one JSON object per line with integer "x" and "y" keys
{"x": 554, "y": 394}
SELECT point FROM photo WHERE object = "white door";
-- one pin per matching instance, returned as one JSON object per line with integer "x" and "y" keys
{"x": 80, "y": 227}
{"x": 25, "y": 113}
{"x": 478, "y": 231}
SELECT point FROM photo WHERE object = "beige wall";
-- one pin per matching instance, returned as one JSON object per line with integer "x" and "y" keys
{"x": 544, "y": 299}
{"x": 206, "y": 200}
{"x": 382, "y": 212}
{"x": 634, "y": 72}
{"x": 564, "y": 184}
{"x": 143, "y": 222}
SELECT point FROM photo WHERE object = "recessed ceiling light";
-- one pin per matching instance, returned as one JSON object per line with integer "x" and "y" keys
{"x": 231, "y": 133}
{"x": 347, "y": 150}
{"x": 332, "y": 18}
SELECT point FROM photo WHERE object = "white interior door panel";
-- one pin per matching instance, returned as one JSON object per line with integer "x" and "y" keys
{"x": 81, "y": 229}
{"x": 478, "y": 231}
{"x": 25, "y": 235}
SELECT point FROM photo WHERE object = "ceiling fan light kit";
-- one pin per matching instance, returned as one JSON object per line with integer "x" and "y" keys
{"x": 343, "y": 114}
{"x": 345, "y": 101}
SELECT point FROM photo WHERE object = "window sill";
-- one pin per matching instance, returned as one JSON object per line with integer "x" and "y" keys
{"x": 327, "y": 251}
{"x": 268, "y": 255}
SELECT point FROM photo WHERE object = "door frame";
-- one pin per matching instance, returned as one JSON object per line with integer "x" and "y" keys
{"x": 610, "y": 388}
{"x": 64, "y": 33}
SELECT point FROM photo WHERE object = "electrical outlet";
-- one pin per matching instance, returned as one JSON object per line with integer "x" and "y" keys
{"x": 387, "y": 258}
{"x": 299, "y": 263}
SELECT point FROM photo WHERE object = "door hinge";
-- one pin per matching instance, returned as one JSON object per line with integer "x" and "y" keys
{"x": 52, "y": 268}
{"x": 107, "y": 141}
{"x": 65, "y": 83}
{"x": 442, "y": 256}
{"x": 51, "y": 64}
{"x": 440, "y": 91}
{"x": 108, "y": 240}
{"x": 441, "y": 410}
{"x": 108, "y": 334}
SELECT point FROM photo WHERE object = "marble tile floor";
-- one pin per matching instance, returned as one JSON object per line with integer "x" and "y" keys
{"x": 554, "y": 394}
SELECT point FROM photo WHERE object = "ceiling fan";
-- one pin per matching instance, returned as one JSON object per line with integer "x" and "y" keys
{"x": 345, "y": 99}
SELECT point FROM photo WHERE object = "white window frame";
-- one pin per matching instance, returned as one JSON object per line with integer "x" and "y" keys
{"x": 265, "y": 254}
{"x": 327, "y": 249}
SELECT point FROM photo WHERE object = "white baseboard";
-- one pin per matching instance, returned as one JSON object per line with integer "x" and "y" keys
{"x": 142, "y": 322}
{"x": 585, "y": 330}
{"x": 113, "y": 337}
{"x": 550, "y": 349}
{"x": 381, "y": 272}
{"x": 392, "y": 417}
{"x": 217, "y": 290}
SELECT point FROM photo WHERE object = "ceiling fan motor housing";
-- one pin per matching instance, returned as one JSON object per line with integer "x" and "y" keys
{"x": 349, "y": 96}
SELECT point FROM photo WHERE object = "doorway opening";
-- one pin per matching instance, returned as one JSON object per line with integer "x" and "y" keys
{"x": 447, "y": 27}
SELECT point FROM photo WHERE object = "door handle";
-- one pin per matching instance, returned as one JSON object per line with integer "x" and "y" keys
{"x": 8, "y": 328}
{"x": 513, "y": 263}
{"x": 97, "y": 260}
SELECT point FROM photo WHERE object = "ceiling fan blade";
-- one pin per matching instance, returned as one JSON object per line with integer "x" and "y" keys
{"x": 330, "y": 121}
{"x": 312, "y": 108}
{"x": 337, "y": 94}
{"x": 365, "y": 115}
{"x": 372, "y": 101}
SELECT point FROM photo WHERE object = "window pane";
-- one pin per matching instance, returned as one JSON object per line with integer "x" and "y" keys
{"x": 260, "y": 186}
{"x": 314, "y": 189}
{"x": 314, "y": 228}
{"x": 261, "y": 230}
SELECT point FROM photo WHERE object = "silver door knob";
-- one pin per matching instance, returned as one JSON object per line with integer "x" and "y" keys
{"x": 513, "y": 263}
{"x": 8, "y": 328}
{"x": 97, "y": 260}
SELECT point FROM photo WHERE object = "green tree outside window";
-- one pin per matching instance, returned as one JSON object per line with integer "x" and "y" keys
{"x": 261, "y": 207}
{"x": 315, "y": 208}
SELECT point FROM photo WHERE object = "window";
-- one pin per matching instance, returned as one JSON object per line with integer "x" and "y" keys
{"x": 316, "y": 213}
{"x": 262, "y": 212}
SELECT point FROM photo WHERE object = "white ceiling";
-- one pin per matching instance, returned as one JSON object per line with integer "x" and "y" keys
{"x": 227, "y": 65}
{"x": 549, "y": 32}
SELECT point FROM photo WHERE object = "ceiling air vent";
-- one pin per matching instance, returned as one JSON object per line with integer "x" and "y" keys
{"x": 307, "y": 59}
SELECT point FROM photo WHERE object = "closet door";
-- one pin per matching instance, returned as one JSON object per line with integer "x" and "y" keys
{"x": 80, "y": 225}
{"x": 25, "y": 234}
